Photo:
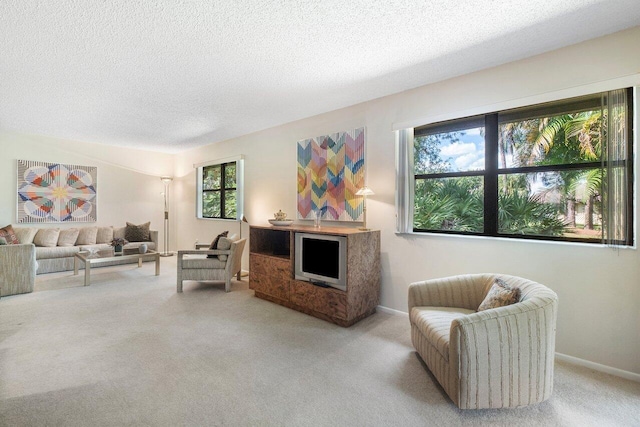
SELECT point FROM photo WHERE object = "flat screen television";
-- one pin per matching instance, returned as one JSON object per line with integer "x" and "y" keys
{"x": 321, "y": 259}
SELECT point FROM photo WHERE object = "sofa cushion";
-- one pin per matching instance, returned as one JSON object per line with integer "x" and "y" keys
{"x": 201, "y": 262}
{"x": 435, "y": 324}
{"x": 87, "y": 236}
{"x": 105, "y": 235}
{"x": 25, "y": 234}
{"x": 56, "y": 252}
{"x": 9, "y": 235}
{"x": 47, "y": 237}
{"x": 118, "y": 232}
{"x": 68, "y": 237}
{"x": 499, "y": 295}
{"x": 137, "y": 233}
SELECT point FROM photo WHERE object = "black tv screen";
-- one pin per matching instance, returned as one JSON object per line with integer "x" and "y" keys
{"x": 321, "y": 257}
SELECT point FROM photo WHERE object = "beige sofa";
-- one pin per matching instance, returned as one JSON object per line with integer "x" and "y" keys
{"x": 497, "y": 358}
{"x": 60, "y": 258}
{"x": 20, "y": 263}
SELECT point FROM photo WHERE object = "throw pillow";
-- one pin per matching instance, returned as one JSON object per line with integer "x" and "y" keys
{"x": 3, "y": 241}
{"x": 105, "y": 235}
{"x": 214, "y": 244}
{"x": 9, "y": 235}
{"x": 224, "y": 244}
{"x": 25, "y": 234}
{"x": 47, "y": 237}
{"x": 137, "y": 233}
{"x": 68, "y": 237}
{"x": 118, "y": 232}
{"x": 500, "y": 295}
{"x": 87, "y": 236}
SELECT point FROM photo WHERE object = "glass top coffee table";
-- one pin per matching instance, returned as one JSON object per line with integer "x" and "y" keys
{"x": 90, "y": 259}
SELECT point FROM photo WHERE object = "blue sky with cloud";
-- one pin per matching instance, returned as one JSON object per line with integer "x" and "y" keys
{"x": 467, "y": 153}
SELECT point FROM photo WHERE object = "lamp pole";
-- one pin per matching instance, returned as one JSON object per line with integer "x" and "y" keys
{"x": 166, "y": 180}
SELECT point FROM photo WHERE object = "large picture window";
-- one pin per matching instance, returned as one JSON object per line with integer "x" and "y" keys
{"x": 220, "y": 190}
{"x": 556, "y": 171}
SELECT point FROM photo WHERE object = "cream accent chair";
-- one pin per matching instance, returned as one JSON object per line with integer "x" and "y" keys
{"x": 196, "y": 265}
{"x": 497, "y": 358}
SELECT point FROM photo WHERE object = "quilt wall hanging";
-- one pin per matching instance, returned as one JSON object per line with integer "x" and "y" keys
{"x": 330, "y": 171}
{"x": 53, "y": 192}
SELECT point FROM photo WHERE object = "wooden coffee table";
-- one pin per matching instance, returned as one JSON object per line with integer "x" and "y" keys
{"x": 90, "y": 259}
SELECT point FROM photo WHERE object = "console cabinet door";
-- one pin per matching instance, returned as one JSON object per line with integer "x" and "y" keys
{"x": 270, "y": 276}
{"x": 331, "y": 302}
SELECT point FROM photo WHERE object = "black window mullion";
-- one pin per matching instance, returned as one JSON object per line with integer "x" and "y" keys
{"x": 491, "y": 174}
{"x": 449, "y": 174}
{"x": 223, "y": 181}
{"x": 553, "y": 168}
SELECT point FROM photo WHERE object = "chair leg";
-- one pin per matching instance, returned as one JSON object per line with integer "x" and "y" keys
{"x": 179, "y": 285}
{"x": 238, "y": 276}
{"x": 227, "y": 284}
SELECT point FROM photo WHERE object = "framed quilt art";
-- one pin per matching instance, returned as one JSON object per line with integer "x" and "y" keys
{"x": 55, "y": 193}
{"x": 330, "y": 171}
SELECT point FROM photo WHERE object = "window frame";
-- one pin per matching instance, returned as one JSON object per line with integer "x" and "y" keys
{"x": 492, "y": 172}
{"x": 239, "y": 187}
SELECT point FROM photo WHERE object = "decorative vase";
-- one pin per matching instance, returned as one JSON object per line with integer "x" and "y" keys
{"x": 143, "y": 248}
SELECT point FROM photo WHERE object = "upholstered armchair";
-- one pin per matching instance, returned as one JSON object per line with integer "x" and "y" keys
{"x": 497, "y": 358}
{"x": 17, "y": 268}
{"x": 194, "y": 264}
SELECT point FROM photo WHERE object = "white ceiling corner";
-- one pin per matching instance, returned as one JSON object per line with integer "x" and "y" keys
{"x": 173, "y": 75}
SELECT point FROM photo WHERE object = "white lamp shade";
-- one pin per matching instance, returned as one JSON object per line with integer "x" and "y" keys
{"x": 365, "y": 191}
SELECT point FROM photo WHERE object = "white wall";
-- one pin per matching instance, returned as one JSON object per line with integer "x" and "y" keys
{"x": 599, "y": 288}
{"x": 128, "y": 185}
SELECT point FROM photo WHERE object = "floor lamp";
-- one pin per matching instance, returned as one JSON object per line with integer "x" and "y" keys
{"x": 364, "y": 192}
{"x": 243, "y": 273}
{"x": 166, "y": 180}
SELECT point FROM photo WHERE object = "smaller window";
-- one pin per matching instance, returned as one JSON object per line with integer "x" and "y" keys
{"x": 220, "y": 190}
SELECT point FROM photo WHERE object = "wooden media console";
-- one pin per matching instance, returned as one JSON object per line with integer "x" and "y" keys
{"x": 272, "y": 273}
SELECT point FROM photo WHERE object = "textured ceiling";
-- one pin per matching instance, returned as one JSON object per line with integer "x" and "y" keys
{"x": 171, "y": 75}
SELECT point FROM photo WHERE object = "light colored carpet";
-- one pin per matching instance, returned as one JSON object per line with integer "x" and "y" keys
{"x": 128, "y": 350}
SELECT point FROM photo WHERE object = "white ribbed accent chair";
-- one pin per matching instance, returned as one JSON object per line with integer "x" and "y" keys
{"x": 497, "y": 358}
{"x": 196, "y": 266}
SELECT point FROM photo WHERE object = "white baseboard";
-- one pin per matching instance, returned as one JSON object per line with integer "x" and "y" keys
{"x": 598, "y": 367}
{"x": 559, "y": 356}
{"x": 388, "y": 310}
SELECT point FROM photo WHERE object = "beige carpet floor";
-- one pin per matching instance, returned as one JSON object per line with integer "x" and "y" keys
{"x": 128, "y": 350}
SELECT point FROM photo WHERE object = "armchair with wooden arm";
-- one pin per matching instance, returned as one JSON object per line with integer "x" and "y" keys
{"x": 195, "y": 265}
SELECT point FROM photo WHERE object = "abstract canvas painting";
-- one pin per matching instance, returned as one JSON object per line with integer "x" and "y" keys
{"x": 330, "y": 171}
{"x": 53, "y": 192}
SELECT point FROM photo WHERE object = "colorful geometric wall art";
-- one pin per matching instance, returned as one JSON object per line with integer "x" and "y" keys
{"x": 52, "y": 192}
{"x": 330, "y": 171}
